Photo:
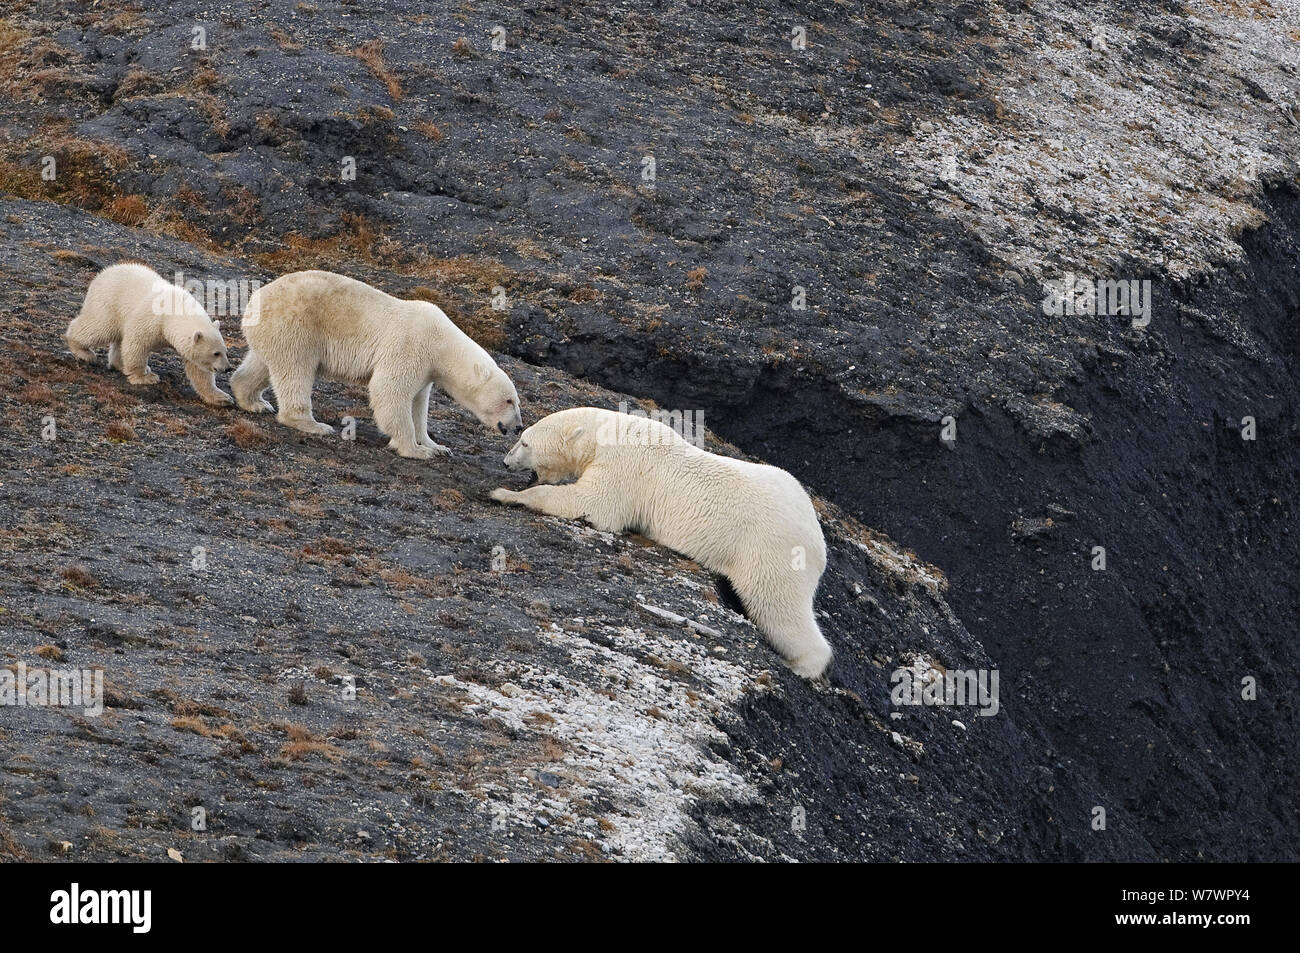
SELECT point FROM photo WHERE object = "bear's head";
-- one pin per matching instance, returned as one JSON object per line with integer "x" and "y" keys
{"x": 490, "y": 396}
{"x": 206, "y": 348}
{"x": 558, "y": 447}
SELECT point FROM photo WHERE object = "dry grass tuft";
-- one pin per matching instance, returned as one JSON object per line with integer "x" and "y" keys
{"x": 119, "y": 431}
{"x": 372, "y": 55}
{"x": 78, "y": 576}
{"x": 303, "y": 744}
{"x": 246, "y": 435}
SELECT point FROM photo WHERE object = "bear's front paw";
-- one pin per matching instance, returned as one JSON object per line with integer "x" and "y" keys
{"x": 502, "y": 495}
{"x": 437, "y": 448}
{"x": 415, "y": 452}
{"x": 142, "y": 379}
{"x": 218, "y": 399}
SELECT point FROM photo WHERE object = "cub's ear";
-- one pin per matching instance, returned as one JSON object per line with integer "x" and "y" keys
{"x": 217, "y": 325}
{"x": 198, "y": 336}
{"x": 481, "y": 374}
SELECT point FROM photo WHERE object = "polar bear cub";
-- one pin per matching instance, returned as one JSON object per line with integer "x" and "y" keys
{"x": 134, "y": 311}
{"x": 750, "y": 522}
{"x": 316, "y": 323}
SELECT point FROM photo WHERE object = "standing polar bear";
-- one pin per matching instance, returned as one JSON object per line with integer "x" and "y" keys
{"x": 750, "y": 522}
{"x": 312, "y": 323}
{"x": 134, "y": 311}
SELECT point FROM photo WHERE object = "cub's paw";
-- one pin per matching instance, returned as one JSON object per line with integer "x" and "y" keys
{"x": 143, "y": 379}
{"x": 81, "y": 353}
{"x": 219, "y": 399}
{"x": 258, "y": 406}
{"x": 502, "y": 495}
{"x": 437, "y": 448}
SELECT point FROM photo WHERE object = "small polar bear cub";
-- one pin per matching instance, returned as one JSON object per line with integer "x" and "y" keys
{"x": 316, "y": 323}
{"x": 134, "y": 311}
{"x": 750, "y": 522}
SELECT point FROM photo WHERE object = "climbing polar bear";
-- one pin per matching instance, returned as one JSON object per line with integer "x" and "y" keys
{"x": 750, "y": 522}
{"x": 134, "y": 311}
{"x": 313, "y": 323}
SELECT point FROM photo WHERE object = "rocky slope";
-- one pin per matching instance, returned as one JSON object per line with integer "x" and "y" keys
{"x": 917, "y": 174}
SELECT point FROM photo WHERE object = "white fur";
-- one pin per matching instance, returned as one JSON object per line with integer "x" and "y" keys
{"x": 316, "y": 323}
{"x": 750, "y": 522}
{"x": 130, "y": 309}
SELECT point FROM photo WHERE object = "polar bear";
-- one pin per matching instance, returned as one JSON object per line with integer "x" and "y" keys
{"x": 316, "y": 323}
{"x": 750, "y": 522}
{"x": 134, "y": 311}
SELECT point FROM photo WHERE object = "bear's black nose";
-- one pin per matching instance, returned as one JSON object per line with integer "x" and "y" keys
{"x": 501, "y": 426}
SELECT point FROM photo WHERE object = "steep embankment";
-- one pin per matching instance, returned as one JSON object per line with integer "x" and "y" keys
{"x": 918, "y": 173}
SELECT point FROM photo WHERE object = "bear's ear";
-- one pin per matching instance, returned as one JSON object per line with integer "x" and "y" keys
{"x": 573, "y": 433}
{"x": 217, "y": 325}
{"x": 481, "y": 374}
{"x": 198, "y": 336}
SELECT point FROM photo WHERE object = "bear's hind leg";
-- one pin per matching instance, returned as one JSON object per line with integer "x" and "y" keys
{"x": 420, "y": 418}
{"x": 783, "y": 612}
{"x": 81, "y": 346}
{"x": 249, "y": 383}
{"x": 115, "y": 356}
{"x": 293, "y": 395}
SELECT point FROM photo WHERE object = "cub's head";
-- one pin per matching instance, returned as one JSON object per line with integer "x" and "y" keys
{"x": 207, "y": 349}
{"x": 491, "y": 397}
{"x": 557, "y": 448}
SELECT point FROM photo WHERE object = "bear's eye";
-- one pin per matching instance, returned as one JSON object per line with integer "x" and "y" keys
{"x": 216, "y": 353}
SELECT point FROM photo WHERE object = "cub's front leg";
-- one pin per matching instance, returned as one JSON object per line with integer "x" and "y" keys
{"x": 134, "y": 355}
{"x": 570, "y": 501}
{"x": 205, "y": 384}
